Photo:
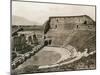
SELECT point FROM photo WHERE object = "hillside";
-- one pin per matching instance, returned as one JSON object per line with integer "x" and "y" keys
{"x": 18, "y": 20}
{"x": 77, "y": 31}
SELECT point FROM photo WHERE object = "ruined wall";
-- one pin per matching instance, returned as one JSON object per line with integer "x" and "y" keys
{"x": 28, "y": 34}
{"x": 70, "y": 22}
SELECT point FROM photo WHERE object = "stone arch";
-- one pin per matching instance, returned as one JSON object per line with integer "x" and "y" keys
{"x": 85, "y": 22}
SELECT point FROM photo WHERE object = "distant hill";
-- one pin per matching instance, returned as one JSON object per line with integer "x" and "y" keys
{"x": 18, "y": 20}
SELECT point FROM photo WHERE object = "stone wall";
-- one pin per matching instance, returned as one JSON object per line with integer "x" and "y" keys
{"x": 69, "y": 22}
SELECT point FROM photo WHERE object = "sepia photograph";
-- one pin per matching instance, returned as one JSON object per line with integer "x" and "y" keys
{"x": 52, "y": 37}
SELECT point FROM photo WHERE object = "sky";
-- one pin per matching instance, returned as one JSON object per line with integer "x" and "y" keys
{"x": 38, "y": 13}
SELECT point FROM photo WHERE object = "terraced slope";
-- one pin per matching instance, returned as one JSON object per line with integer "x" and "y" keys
{"x": 80, "y": 39}
{"x": 83, "y": 38}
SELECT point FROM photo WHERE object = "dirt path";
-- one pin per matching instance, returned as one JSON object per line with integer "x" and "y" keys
{"x": 65, "y": 54}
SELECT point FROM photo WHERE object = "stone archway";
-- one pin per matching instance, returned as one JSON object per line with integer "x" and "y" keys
{"x": 48, "y": 42}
